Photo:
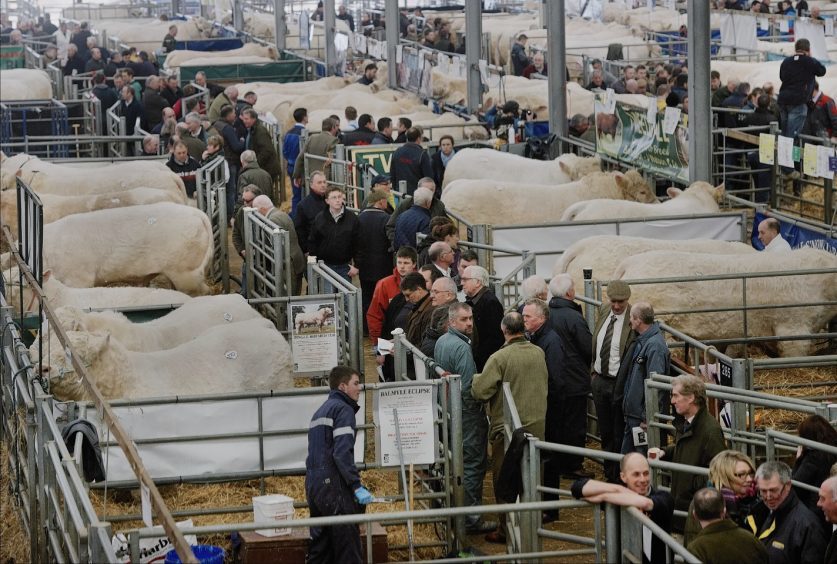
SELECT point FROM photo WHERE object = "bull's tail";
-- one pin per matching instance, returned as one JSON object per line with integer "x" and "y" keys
{"x": 564, "y": 262}
{"x": 572, "y": 212}
{"x": 619, "y": 273}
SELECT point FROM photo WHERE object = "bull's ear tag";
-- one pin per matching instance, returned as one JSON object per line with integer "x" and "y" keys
{"x": 232, "y": 355}
{"x": 228, "y": 317}
{"x": 152, "y": 220}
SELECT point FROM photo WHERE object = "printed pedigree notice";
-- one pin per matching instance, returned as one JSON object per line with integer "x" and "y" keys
{"x": 415, "y": 418}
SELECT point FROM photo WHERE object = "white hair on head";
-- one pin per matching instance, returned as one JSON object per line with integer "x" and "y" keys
{"x": 533, "y": 287}
{"x": 561, "y": 285}
{"x": 262, "y": 202}
{"x": 478, "y": 273}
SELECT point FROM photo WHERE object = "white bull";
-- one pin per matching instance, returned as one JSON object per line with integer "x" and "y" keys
{"x": 701, "y": 197}
{"x": 131, "y": 245}
{"x": 50, "y": 178}
{"x": 173, "y": 329}
{"x": 760, "y": 291}
{"x": 25, "y": 84}
{"x": 250, "y": 356}
{"x": 56, "y": 207}
{"x": 603, "y": 253}
{"x": 495, "y": 165}
{"x": 182, "y": 56}
{"x": 510, "y": 203}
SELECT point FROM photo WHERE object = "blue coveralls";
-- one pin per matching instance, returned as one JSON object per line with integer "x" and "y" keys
{"x": 331, "y": 480}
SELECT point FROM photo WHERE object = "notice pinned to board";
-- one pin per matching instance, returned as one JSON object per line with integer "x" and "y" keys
{"x": 824, "y": 157}
{"x": 809, "y": 159}
{"x": 784, "y": 26}
{"x": 670, "y": 120}
{"x": 784, "y": 151}
{"x": 415, "y": 405}
{"x": 767, "y": 148}
{"x": 399, "y": 54}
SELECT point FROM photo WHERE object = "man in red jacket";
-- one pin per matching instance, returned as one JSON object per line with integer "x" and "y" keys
{"x": 386, "y": 289}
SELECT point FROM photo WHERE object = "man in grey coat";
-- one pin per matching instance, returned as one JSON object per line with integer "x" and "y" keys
{"x": 650, "y": 354}
{"x": 265, "y": 206}
{"x": 252, "y": 173}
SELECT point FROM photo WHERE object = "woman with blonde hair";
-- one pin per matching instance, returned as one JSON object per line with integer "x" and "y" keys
{"x": 734, "y": 474}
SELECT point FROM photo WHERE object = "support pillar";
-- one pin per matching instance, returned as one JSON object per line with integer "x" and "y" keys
{"x": 279, "y": 24}
{"x": 700, "y": 113}
{"x": 473, "y": 39}
{"x": 329, "y": 19}
{"x": 556, "y": 60}
{"x": 393, "y": 33}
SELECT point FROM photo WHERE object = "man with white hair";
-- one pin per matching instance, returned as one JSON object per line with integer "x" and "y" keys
{"x": 827, "y": 502}
{"x": 488, "y": 313}
{"x": 789, "y": 530}
{"x": 193, "y": 120}
{"x": 441, "y": 256}
{"x": 252, "y": 173}
{"x": 437, "y": 209}
{"x": 533, "y": 287}
{"x": 538, "y": 67}
{"x": 443, "y": 291}
{"x": 414, "y": 220}
{"x": 566, "y": 319}
{"x": 264, "y": 204}
{"x": 186, "y": 134}
{"x": 227, "y": 98}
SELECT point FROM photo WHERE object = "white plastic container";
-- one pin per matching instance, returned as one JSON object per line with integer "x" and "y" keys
{"x": 276, "y": 507}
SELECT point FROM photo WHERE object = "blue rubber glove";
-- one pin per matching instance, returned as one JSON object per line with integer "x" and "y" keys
{"x": 363, "y": 496}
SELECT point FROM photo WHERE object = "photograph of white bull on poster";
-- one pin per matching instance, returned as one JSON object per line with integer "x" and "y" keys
{"x": 415, "y": 421}
{"x": 313, "y": 333}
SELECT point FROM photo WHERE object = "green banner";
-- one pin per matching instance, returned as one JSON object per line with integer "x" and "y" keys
{"x": 625, "y": 133}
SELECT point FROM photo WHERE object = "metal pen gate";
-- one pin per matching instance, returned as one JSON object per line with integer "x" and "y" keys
{"x": 268, "y": 264}
{"x": 212, "y": 199}
{"x": 115, "y": 127}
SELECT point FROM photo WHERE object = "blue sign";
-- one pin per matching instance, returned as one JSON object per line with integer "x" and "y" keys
{"x": 797, "y": 236}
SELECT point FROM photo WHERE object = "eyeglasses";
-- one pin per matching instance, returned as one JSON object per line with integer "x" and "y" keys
{"x": 742, "y": 475}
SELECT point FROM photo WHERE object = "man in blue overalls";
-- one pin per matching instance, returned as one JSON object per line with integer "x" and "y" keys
{"x": 332, "y": 482}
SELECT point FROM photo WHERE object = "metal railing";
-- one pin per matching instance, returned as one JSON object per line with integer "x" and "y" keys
{"x": 268, "y": 264}
{"x": 211, "y": 194}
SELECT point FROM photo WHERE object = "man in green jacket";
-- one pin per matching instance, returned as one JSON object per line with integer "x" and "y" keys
{"x": 252, "y": 173}
{"x": 227, "y": 98}
{"x": 697, "y": 439}
{"x": 258, "y": 139}
{"x": 721, "y": 539}
{"x": 523, "y": 366}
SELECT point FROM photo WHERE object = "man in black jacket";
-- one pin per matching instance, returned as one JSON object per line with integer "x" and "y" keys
{"x": 153, "y": 102}
{"x": 335, "y": 235}
{"x": 797, "y": 74}
{"x": 183, "y": 166}
{"x": 374, "y": 260}
{"x": 567, "y": 320}
{"x": 310, "y": 207}
{"x": 540, "y": 333}
{"x": 132, "y": 111}
{"x": 106, "y": 95}
{"x": 233, "y": 147}
{"x": 363, "y": 135}
{"x": 488, "y": 313}
{"x": 788, "y": 529}
{"x": 410, "y": 162}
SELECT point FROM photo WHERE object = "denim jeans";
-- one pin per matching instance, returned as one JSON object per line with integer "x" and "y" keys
{"x": 792, "y": 118}
{"x": 474, "y": 451}
{"x": 296, "y": 195}
{"x": 232, "y": 189}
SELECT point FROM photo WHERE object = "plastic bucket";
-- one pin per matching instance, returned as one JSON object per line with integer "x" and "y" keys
{"x": 205, "y": 553}
{"x": 275, "y": 507}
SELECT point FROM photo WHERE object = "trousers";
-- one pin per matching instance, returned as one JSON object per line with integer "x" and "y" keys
{"x": 474, "y": 450}
{"x": 611, "y": 422}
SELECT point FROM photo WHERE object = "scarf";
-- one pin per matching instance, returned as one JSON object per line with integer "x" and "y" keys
{"x": 446, "y": 160}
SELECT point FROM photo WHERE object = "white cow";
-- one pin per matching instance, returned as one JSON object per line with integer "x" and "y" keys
{"x": 173, "y": 329}
{"x": 50, "y": 178}
{"x": 700, "y": 197}
{"x": 703, "y": 294}
{"x": 250, "y": 356}
{"x": 603, "y": 253}
{"x": 509, "y": 203}
{"x": 110, "y": 297}
{"x": 25, "y": 84}
{"x": 179, "y": 57}
{"x": 496, "y": 165}
{"x": 131, "y": 245}
{"x": 56, "y": 207}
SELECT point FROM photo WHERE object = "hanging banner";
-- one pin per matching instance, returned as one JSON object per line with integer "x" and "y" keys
{"x": 627, "y": 134}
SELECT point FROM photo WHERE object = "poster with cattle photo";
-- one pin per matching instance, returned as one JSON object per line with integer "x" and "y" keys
{"x": 313, "y": 331}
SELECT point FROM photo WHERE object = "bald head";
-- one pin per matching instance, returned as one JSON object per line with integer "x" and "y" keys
{"x": 635, "y": 473}
{"x": 827, "y": 501}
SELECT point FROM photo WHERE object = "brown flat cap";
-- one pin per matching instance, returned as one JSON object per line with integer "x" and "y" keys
{"x": 618, "y": 290}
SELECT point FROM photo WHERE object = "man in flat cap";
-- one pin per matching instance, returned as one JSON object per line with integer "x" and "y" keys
{"x": 612, "y": 337}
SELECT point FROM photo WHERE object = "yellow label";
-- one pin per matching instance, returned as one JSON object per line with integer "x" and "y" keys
{"x": 777, "y": 544}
